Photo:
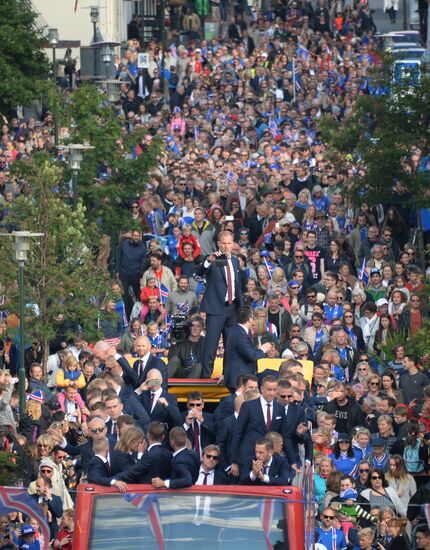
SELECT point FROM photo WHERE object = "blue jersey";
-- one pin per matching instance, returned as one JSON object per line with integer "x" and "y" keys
{"x": 333, "y": 539}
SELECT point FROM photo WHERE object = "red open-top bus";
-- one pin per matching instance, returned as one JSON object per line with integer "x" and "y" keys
{"x": 212, "y": 517}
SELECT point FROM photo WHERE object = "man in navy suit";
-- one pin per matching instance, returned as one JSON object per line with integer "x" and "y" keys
{"x": 136, "y": 374}
{"x": 222, "y": 297}
{"x": 185, "y": 463}
{"x": 145, "y": 361}
{"x": 240, "y": 355}
{"x": 295, "y": 429}
{"x": 99, "y": 468}
{"x": 55, "y": 506}
{"x": 158, "y": 403}
{"x": 198, "y": 424}
{"x": 208, "y": 473}
{"x": 130, "y": 406}
{"x": 155, "y": 462}
{"x": 226, "y": 406}
{"x": 266, "y": 468}
{"x": 225, "y": 431}
{"x": 256, "y": 418}
{"x": 132, "y": 376}
{"x": 97, "y": 429}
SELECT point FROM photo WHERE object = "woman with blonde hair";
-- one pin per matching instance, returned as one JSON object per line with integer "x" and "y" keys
{"x": 261, "y": 333}
{"x": 309, "y": 223}
{"x": 278, "y": 283}
{"x": 34, "y": 422}
{"x": 128, "y": 449}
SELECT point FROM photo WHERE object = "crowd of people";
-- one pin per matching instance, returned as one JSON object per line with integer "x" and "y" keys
{"x": 244, "y": 246}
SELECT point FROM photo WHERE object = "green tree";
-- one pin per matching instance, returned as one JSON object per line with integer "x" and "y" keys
{"x": 92, "y": 120}
{"x": 382, "y": 135}
{"x": 22, "y": 59}
{"x": 62, "y": 284}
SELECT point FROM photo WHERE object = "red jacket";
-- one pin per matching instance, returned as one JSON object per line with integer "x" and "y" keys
{"x": 189, "y": 240}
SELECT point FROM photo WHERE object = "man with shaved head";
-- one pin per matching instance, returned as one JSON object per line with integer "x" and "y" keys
{"x": 134, "y": 375}
{"x": 158, "y": 402}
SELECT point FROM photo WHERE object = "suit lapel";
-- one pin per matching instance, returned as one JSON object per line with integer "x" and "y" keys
{"x": 260, "y": 412}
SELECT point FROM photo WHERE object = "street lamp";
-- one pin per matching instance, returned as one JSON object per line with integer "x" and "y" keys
{"x": 53, "y": 40}
{"x": 95, "y": 17}
{"x": 75, "y": 158}
{"x": 106, "y": 47}
{"x": 21, "y": 246}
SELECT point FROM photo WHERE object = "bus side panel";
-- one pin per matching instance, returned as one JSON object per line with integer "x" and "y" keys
{"x": 84, "y": 506}
{"x": 295, "y": 519}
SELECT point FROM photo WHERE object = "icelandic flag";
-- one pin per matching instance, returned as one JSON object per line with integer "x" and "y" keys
{"x": 174, "y": 51}
{"x": 273, "y": 127}
{"x": 271, "y": 329}
{"x": 149, "y": 504}
{"x": 230, "y": 177}
{"x": 164, "y": 292}
{"x": 303, "y": 53}
{"x": 298, "y": 82}
{"x": 196, "y": 133}
{"x": 182, "y": 307}
{"x": 270, "y": 267}
{"x": 266, "y": 518}
{"x": 138, "y": 150}
{"x": 364, "y": 273}
{"x": 13, "y": 499}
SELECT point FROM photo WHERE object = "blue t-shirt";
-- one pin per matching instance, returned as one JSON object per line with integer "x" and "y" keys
{"x": 326, "y": 538}
{"x": 35, "y": 545}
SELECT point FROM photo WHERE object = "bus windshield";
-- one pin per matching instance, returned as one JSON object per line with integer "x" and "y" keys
{"x": 182, "y": 520}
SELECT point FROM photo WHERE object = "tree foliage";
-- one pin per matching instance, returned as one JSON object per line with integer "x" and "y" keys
{"x": 381, "y": 134}
{"x": 62, "y": 284}
{"x": 22, "y": 59}
{"x": 92, "y": 120}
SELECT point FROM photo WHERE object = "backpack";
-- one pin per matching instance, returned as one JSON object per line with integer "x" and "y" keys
{"x": 411, "y": 457}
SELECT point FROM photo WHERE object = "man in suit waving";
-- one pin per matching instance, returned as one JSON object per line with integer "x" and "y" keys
{"x": 240, "y": 353}
{"x": 222, "y": 297}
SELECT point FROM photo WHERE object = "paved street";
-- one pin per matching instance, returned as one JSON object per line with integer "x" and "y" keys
{"x": 382, "y": 20}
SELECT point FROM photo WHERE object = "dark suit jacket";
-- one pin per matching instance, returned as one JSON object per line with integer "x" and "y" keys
{"x": 224, "y": 440}
{"x": 220, "y": 478}
{"x": 122, "y": 461}
{"x": 279, "y": 472}
{"x": 55, "y": 506}
{"x": 185, "y": 469}
{"x": 213, "y": 301}
{"x": 156, "y": 462}
{"x": 224, "y": 409}
{"x": 99, "y": 472}
{"x": 136, "y": 410}
{"x": 251, "y": 426}
{"x": 207, "y": 430}
{"x": 295, "y": 415}
{"x": 86, "y": 451}
{"x": 130, "y": 374}
{"x": 240, "y": 356}
{"x": 168, "y": 415}
{"x": 152, "y": 363}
